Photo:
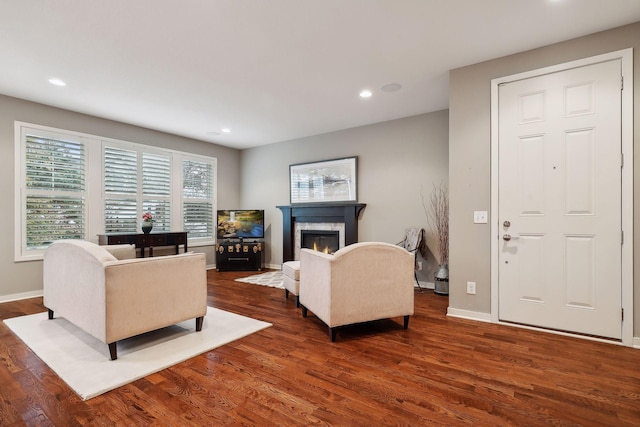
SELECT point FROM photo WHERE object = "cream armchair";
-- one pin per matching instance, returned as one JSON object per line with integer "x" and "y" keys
{"x": 359, "y": 283}
{"x": 115, "y": 299}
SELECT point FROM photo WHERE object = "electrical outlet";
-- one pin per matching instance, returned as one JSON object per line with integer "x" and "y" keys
{"x": 471, "y": 288}
{"x": 419, "y": 265}
{"x": 480, "y": 217}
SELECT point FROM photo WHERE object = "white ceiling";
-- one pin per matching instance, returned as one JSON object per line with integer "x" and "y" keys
{"x": 270, "y": 70}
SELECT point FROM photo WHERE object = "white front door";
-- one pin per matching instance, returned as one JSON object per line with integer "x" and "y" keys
{"x": 559, "y": 200}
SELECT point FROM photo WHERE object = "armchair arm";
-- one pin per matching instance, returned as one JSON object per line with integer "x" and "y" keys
{"x": 315, "y": 282}
{"x": 73, "y": 283}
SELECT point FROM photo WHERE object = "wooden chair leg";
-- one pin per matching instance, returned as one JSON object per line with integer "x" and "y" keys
{"x": 406, "y": 322}
{"x": 113, "y": 351}
{"x": 304, "y": 311}
{"x": 297, "y": 301}
{"x": 199, "y": 322}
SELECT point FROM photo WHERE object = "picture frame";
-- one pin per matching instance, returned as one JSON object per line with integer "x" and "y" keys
{"x": 326, "y": 181}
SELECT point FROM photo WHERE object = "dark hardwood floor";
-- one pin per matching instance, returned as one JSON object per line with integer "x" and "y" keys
{"x": 441, "y": 371}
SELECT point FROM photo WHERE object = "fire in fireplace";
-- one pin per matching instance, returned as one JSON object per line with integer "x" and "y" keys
{"x": 326, "y": 241}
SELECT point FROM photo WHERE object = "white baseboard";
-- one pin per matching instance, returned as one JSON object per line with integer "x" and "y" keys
{"x": 425, "y": 285}
{"x": 17, "y": 297}
{"x": 470, "y": 315}
{"x": 486, "y": 317}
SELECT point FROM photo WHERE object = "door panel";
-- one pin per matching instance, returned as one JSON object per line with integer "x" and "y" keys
{"x": 560, "y": 191}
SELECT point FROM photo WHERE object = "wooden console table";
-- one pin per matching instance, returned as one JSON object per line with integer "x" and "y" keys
{"x": 142, "y": 241}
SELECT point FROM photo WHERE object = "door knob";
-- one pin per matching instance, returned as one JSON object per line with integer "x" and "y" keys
{"x": 507, "y": 224}
{"x": 506, "y": 237}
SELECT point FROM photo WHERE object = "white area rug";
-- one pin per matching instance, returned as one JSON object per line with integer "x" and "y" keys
{"x": 271, "y": 278}
{"x": 83, "y": 362}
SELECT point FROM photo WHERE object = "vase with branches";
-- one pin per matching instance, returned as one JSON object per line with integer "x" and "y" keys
{"x": 437, "y": 211}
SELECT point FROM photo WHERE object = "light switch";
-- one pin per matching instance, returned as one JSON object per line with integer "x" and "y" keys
{"x": 480, "y": 217}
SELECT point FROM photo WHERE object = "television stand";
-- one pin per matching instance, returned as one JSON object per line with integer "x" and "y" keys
{"x": 239, "y": 256}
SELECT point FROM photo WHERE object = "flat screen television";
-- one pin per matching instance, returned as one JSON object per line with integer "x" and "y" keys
{"x": 241, "y": 224}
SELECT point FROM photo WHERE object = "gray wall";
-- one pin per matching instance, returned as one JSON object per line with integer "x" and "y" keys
{"x": 470, "y": 150}
{"x": 396, "y": 161}
{"x": 26, "y": 277}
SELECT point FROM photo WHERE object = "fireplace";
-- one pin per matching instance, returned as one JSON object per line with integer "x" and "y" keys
{"x": 341, "y": 218}
{"x": 320, "y": 240}
{"x": 321, "y": 228}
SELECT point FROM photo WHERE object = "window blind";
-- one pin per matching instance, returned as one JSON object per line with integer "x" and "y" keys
{"x": 197, "y": 191}
{"x": 55, "y": 187}
{"x": 156, "y": 189}
{"x": 121, "y": 190}
{"x": 53, "y": 164}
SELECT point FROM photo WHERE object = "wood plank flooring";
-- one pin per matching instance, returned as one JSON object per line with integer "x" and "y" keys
{"x": 441, "y": 371}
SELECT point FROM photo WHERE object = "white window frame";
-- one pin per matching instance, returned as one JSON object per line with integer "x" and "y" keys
{"x": 94, "y": 184}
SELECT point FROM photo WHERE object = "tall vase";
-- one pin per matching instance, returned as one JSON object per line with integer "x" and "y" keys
{"x": 442, "y": 280}
{"x": 146, "y": 227}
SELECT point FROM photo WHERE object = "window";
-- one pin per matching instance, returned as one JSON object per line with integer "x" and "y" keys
{"x": 132, "y": 187}
{"x": 197, "y": 193}
{"x": 120, "y": 190}
{"x": 156, "y": 189}
{"x": 54, "y": 190}
{"x": 76, "y": 186}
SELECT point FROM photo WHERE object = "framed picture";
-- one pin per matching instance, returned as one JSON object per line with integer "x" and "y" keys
{"x": 322, "y": 182}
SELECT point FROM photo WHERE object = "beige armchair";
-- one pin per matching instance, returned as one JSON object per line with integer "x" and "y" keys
{"x": 359, "y": 283}
{"x": 115, "y": 299}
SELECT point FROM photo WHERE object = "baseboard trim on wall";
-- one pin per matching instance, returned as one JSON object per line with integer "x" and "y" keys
{"x": 17, "y": 297}
{"x": 636, "y": 342}
{"x": 425, "y": 285}
{"x": 470, "y": 315}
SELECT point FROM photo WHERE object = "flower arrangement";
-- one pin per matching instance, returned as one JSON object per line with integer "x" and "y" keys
{"x": 146, "y": 217}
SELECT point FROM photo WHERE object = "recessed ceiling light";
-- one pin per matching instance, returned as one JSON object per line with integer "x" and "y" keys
{"x": 365, "y": 93}
{"x": 391, "y": 87}
{"x": 226, "y": 130}
{"x": 57, "y": 82}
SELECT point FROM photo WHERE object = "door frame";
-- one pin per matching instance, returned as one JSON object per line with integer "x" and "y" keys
{"x": 626, "y": 57}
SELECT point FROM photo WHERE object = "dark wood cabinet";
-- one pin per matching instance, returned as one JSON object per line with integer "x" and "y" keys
{"x": 239, "y": 256}
{"x": 143, "y": 241}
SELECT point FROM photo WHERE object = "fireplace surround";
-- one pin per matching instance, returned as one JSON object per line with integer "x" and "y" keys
{"x": 346, "y": 213}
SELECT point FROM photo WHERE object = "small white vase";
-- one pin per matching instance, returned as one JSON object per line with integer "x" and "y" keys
{"x": 442, "y": 280}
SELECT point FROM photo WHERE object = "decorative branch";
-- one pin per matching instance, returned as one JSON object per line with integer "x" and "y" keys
{"x": 438, "y": 217}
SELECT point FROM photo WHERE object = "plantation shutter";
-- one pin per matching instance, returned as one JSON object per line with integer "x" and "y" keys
{"x": 156, "y": 189}
{"x": 55, "y": 190}
{"x": 121, "y": 190}
{"x": 197, "y": 193}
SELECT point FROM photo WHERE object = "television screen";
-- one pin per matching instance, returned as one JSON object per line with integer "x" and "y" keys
{"x": 241, "y": 223}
